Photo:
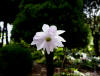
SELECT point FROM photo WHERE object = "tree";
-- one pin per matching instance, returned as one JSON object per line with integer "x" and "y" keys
{"x": 0, "y": 36}
{"x": 92, "y": 8}
{"x": 64, "y": 14}
{"x": 9, "y": 9}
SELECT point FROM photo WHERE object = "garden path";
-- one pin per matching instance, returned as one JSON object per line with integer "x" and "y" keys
{"x": 40, "y": 70}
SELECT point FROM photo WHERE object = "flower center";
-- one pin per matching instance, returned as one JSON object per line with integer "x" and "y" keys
{"x": 48, "y": 39}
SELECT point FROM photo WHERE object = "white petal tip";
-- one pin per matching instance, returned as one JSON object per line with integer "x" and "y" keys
{"x": 32, "y": 43}
{"x": 45, "y": 27}
{"x": 48, "y": 53}
{"x": 60, "y": 32}
{"x": 64, "y": 41}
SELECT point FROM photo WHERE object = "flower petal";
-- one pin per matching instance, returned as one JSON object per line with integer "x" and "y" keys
{"x": 52, "y": 30}
{"x": 45, "y": 27}
{"x": 56, "y": 41}
{"x": 60, "y": 32}
{"x": 60, "y": 38}
{"x": 40, "y": 45}
{"x": 39, "y": 35}
{"x": 48, "y": 50}
{"x": 59, "y": 44}
{"x": 33, "y": 43}
{"x": 51, "y": 49}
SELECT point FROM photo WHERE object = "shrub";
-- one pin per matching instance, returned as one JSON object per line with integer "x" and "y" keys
{"x": 62, "y": 13}
{"x": 15, "y": 61}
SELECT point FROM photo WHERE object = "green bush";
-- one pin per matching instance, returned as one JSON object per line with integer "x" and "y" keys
{"x": 64, "y": 14}
{"x": 15, "y": 61}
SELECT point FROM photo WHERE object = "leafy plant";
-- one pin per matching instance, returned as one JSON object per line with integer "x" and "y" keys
{"x": 15, "y": 60}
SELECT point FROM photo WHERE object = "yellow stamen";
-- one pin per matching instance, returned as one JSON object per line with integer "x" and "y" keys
{"x": 48, "y": 39}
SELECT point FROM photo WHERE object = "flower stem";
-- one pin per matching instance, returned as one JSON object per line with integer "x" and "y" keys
{"x": 49, "y": 64}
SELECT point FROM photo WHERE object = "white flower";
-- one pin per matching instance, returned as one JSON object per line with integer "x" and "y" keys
{"x": 78, "y": 73}
{"x": 48, "y": 39}
{"x": 84, "y": 56}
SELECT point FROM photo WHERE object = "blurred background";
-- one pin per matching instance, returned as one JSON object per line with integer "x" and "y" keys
{"x": 21, "y": 19}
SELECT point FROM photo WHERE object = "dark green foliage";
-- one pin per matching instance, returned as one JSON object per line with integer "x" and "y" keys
{"x": 9, "y": 9}
{"x": 59, "y": 57}
{"x": 15, "y": 61}
{"x": 37, "y": 54}
{"x": 64, "y": 14}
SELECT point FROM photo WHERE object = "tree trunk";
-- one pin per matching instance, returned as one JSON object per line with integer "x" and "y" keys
{"x": 0, "y": 31}
{"x": 99, "y": 43}
{"x": 49, "y": 64}
{"x": 0, "y": 37}
{"x": 4, "y": 31}
{"x": 3, "y": 35}
{"x": 96, "y": 37}
{"x": 96, "y": 43}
